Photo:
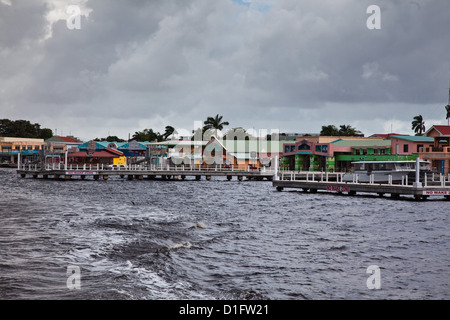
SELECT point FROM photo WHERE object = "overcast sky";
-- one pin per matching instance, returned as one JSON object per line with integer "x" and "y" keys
{"x": 289, "y": 65}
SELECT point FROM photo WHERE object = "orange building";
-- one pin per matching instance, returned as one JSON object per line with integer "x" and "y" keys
{"x": 439, "y": 153}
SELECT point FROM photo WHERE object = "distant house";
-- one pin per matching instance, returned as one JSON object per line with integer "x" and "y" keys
{"x": 130, "y": 149}
{"x": 238, "y": 154}
{"x": 438, "y": 152}
{"x": 407, "y": 145}
{"x": 326, "y": 153}
{"x": 71, "y": 143}
{"x": 105, "y": 156}
{"x": 10, "y": 147}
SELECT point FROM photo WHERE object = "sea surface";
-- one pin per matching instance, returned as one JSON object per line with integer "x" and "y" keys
{"x": 218, "y": 239}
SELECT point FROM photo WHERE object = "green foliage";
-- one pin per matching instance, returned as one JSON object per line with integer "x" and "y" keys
{"x": 343, "y": 131}
{"x": 169, "y": 131}
{"x": 418, "y": 125}
{"x": 110, "y": 139}
{"x": 215, "y": 123}
{"x": 46, "y": 134}
{"x": 23, "y": 129}
{"x": 147, "y": 135}
{"x": 329, "y": 130}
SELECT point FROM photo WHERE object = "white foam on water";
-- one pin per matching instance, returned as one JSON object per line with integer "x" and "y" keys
{"x": 156, "y": 286}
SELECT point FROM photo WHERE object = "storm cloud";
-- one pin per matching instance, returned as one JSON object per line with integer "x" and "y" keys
{"x": 281, "y": 64}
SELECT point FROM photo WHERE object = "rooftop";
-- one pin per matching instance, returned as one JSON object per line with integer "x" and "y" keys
{"x": 443, "y": 130}
{"x": 414, "y": 138}
{"x": 68, "y": 139}
{"x": 362, "y": 143}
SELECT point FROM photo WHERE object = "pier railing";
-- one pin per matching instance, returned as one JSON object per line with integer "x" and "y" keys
{"x": 139, "y": 167}
{"x": 430, "y": 179}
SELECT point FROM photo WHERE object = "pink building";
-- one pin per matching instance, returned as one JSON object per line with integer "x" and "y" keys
{"x": 439, "y": 151}
{"x": 407, "y": 145}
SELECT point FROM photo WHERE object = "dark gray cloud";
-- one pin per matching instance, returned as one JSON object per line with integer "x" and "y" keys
{"x": 287, "y": 64}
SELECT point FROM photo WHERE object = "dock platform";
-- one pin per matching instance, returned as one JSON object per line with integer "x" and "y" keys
{"x": 332, "y": 182}
{"x": 141, "y": 173}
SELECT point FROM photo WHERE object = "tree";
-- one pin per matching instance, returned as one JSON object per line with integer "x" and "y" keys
{"x": 23, "y": 129}
{"x": 349, "y": 131}
{"x": 418, "y": 125}
{"x": 329, "y": 130}
{"x": 169, "y": 131}
{"x": 45, "y": 133}
{"x": 215, "y": 123}
{"x": 110, "y": 139}
{"x": 447, "y": 108}
{"x": 147, "y": 135}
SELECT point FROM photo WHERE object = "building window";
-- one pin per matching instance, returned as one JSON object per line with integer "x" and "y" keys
{"x": 375, "y": 151}
{"x": 382, "y": 151}
{"x": 405, "y": 148}
{"x": 304, "y": 147}
{"x": 36, "y": 147}
{"x": 419, "y": 146}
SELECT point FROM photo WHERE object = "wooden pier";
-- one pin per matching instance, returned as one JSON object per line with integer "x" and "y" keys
{"x": 139, "y": 172}
{"x": 332, "y": 182}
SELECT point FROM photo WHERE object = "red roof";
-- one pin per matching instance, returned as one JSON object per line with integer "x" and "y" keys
{"x": 114, "y": 151}
{"x": 106, "y": 153}
{"x": 443, "y": 130}
{"x": 68, "y": 139}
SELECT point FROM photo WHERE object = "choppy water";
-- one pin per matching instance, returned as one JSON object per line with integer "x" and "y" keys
{"x": 215, "y": 239}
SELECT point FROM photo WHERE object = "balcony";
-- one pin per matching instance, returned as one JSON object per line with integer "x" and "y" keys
{"x": 435, "y": 153}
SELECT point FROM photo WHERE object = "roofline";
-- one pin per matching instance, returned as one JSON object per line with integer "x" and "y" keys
{"x": 411, "y": 138}
{"x": 434, "y": 126}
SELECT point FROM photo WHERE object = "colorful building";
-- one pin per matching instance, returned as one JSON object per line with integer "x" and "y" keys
{"x": 238, "y": 154}
{"x": 337, "y": 153}
{"x": 27, "y": 147}
{"x": 105, "y": 156}
{"x": 71, "y": 143}
{"x": 407, "y": 145}
{"x": 130, "y": 149}
{"x": 438, "y": 151}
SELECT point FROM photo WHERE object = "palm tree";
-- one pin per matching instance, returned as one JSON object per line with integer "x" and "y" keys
{"x": 348, "y": 130}
{"x": 169, "y": 131}
{"x": 447, "y": 108}
{"x": 329, "y": 130}
{"x": 214, "y": 123}
{"x": 418, "y": 125}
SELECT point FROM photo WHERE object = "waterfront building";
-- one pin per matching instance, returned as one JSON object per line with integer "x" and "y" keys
{"x": 187, "y": 152}
{"x": 238, "y": 154}
{"x": 324, "y": 153}
{"x": 10, "y": 148}
{"x": 407, "y": 145}
{"x": 132, "y": 151}
{"x": 438, "y": 152}
{"x": 71, "y": 143}
{"x": 106, "y": 156}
